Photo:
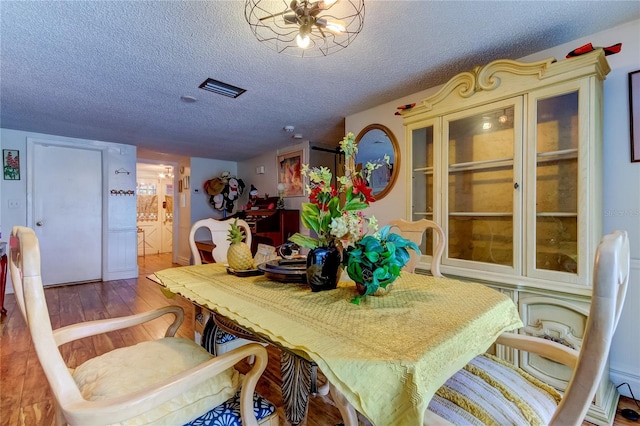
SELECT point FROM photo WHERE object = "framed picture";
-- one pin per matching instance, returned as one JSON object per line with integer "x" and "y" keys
{"x": 289, "y": 173}
{"x": 634, "y": 114}
{"x": 11, "y": 164}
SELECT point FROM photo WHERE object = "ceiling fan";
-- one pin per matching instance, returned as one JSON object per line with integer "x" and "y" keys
{"x": 323, "y": 25}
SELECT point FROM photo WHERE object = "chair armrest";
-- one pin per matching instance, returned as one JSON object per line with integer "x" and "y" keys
{"x": 543, "y": 347}
{"x": 121, "y": 408}
{"x": 91, "y": 328}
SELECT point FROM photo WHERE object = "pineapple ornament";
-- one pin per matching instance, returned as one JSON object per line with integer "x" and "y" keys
{"x": 239, "y": 254}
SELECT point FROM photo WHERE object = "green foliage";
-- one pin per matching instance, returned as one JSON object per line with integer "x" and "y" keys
{"x": 376, "y": 260}
{"x": 236, "y": 234}
{"x": 304, "y": 240}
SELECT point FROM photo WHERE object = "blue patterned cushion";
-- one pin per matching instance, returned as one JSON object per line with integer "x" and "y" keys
{"x": 224, "y": 337}
{"x": 212, "y": 336}
{"x": 228, "y": 413}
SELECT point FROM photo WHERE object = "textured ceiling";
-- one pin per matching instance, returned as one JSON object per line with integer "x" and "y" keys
{"x": 115, "y": 70}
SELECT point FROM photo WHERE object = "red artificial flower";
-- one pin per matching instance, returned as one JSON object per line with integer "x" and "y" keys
{"x": 321, "y": 198}
{"x": 360, "y": 186}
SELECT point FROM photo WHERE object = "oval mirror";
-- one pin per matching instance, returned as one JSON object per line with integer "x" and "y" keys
{"x": 374, "y": 143}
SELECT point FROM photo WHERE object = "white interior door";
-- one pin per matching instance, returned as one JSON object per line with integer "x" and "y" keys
{"x": 149, "y": 213}
{"x": 156, "y": 208}
{"x": 67, "y": 212}
{"x": 166, "y": 234}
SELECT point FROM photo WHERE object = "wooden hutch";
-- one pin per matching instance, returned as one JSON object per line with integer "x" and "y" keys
{"x": 270, "y": 225}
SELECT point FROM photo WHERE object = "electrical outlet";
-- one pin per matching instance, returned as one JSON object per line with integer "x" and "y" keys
{"x": 13, "y": 204}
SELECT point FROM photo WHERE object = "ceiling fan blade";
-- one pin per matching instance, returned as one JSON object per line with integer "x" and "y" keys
{"x": 290, "y": 19}
{"x": 274, "y": 15}
{"x": 334, "y": 26}
{"x": 326, "y": 4}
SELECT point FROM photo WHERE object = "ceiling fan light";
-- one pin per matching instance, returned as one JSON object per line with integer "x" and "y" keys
{"x": 285, "y": 26}
{"x": 303, "y": 41}
{"x": 334, "y": 26}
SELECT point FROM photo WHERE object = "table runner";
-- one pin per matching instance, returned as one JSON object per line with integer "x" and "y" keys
{"x": 387, "y": 355}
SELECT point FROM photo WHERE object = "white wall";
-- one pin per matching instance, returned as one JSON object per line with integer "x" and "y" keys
{"x": 264, "y": 182}
{"x": 621, "y": 208}
{"x": 119, "y": 261}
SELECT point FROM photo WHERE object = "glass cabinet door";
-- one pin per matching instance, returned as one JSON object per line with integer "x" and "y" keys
{"x": 422, "y": 180}
{"x": 482, "y": 156}
{"x": 555, "y": 226}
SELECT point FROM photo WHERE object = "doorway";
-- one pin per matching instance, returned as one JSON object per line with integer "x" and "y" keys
{"x": 155, "y": 208}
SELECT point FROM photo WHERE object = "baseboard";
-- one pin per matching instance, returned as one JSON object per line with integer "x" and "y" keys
{"x": 618, "y": 377}
{"x": 184, "y": 261}
{"x": 604, "y": 412}
{"x": 121, "y": 275}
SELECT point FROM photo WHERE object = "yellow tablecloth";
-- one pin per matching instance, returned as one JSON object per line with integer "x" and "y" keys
{"x": 388, "y": 355}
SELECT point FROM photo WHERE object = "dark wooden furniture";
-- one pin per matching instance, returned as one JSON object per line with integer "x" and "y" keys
{"x": 271, "y": 226}
{"x": 3, "y": 275}
{"x": 205, "y": 248}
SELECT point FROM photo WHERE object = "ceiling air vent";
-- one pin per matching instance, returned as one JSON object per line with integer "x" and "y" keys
{"x": 221, "y": 88}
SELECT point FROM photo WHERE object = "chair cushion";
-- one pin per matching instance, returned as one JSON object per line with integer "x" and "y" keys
{"x": 212, "y": 337}
{"x": 489, "y": 391}
{"x": 228, "y": 413}
{"x": 132, "y": 368}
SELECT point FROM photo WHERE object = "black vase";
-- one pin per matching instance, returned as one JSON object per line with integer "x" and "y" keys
{"x": 323, "y": 268}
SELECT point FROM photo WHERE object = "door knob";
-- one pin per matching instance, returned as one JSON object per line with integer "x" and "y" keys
{"x": 39, "y": 223}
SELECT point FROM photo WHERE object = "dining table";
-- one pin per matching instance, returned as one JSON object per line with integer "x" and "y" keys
{"x": 386, "y": 356}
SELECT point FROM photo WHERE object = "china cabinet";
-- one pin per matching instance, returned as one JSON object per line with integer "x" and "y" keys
{"x": 507, "y": 158}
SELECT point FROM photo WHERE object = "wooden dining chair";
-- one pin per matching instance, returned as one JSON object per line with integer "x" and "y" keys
{"x": 491, "y": 391}
{"x": 216, "y": 338}
{"x": 218, "y": 231}
{"x": 415, "y": 232}
{"x": 166, "y": 381}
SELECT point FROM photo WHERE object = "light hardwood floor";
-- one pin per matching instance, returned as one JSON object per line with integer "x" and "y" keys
{"x": 25, "y": 398}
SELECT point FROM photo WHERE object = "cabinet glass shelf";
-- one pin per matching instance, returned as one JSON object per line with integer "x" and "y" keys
{"x": 481, "y": 165}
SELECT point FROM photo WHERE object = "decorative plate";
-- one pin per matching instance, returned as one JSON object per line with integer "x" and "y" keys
{"x": 285, "y": 270}
{"x": 245, "y": 273}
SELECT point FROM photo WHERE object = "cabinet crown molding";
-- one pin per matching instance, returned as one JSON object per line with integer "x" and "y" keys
{"x": 512, "y": 77}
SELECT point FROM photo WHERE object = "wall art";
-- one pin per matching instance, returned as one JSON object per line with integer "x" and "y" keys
{"x": 634, "y": 114}
{"x": 11, "y": 164}
{"x": 290, "y": 173}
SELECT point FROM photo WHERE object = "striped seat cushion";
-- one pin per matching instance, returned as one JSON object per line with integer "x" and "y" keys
{"x": 489, "y": 391}
{"x": 228, "y": 413}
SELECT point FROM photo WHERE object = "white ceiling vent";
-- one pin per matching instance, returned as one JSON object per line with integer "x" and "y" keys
{"x": 221, "y": 88}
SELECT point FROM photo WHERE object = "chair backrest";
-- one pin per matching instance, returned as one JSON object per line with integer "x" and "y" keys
{"x": 610, "y": 281}
{"x": 219, "y": 231}
{"x": 414, "y": 231}
{"x": 24, "y": 263}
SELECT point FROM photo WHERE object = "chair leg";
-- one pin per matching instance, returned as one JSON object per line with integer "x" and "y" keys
{"x": 323, "y": 389}
{"x": 349, "y": 415}
{"x": 59, "y": 418}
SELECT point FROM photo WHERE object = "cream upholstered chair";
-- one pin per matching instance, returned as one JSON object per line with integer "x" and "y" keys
{"x": 415, "y": 231}
{"x": 493, "y": 389}
{"x": 214, "y": 339}
{"x": 167, "y": 381}
{"x": 218, "y": 230}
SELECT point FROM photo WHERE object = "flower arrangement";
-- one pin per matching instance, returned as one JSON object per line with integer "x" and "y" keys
{"x": 335, "y": 213}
